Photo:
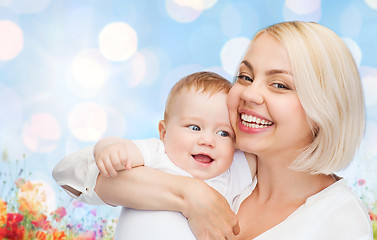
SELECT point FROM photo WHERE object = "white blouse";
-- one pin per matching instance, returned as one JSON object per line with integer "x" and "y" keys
{"x": 335, "y": 213}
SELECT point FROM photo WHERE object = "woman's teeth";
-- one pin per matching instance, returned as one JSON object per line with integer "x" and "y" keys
{"x": 254, "y": 122}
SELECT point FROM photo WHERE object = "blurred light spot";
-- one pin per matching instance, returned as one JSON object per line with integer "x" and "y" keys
{"x": 232, "y": 53}
{"x": 153, "y": 64}
{"x": 12, "y": 143}
{"x": 303, "y": 7}
{"x": 11, "y": 40}
{"x": 87, "y": 121}
{"x": 196, "y": 4}
{"x": 138, "y": 66}
{"x": 174, "y": 76}
{"x": 355, "y": 50}
{"x": 4, "y": 3}
{"x": 372, "y": 3}
{"x": 116, "y": 122}
{"x": 289, "y": 15}
{"x": 369, "y": 141}
{"x": 231, "y": 22}
{"x": 41, "y": 133}
{"x": 118, "y": 41}
{"x": 11, "y": 111}
{"x": 142, "y": 69}
{"x": 369, "y": 79}
{"x": 89, "y": 69}
{"x": 181, "y": 13}
{"x": 350, "y": 27}
{"x": 27, "y": 6}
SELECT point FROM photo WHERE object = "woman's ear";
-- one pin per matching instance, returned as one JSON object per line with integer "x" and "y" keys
{"x": 162, "y": 129}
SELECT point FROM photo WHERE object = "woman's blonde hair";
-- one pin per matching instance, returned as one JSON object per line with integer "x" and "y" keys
{"x": 330, "y": 91}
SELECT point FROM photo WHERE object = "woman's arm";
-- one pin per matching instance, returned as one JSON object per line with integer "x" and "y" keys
{"x": 207, "y": 211}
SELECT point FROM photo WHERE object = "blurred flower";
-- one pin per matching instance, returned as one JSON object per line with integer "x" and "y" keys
{"x": 86, "y": 236}
{"x": 3, "y": 211}
{"x": 77, "y": 204}
{"x": 40, "y": 235}
{"x": 13, "y": 228}
{"x": 58, "y": 235}
{"x": 361, "y": 182}
{"x": 42, "y": 222}
{"x": 25, "y": 215}
{"x": 59, "y": 213}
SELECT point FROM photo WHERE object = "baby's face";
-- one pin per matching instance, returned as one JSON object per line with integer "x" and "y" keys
{"x": 199, "y": 138}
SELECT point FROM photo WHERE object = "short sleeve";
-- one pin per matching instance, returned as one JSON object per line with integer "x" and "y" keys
{"x": 79, "y": 171}
{"x": 240, "y": 175}
{"x": 150, "y": 149}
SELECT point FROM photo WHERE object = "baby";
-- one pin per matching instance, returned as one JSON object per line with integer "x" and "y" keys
{"x": 196, "y": 140}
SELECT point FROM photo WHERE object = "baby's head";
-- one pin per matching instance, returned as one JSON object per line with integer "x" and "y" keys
{"x": 196, "y": 130}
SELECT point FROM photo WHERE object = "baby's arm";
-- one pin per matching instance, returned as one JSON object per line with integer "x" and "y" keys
{"x": 113, "y": 154}
{"x": 207, "y": 211}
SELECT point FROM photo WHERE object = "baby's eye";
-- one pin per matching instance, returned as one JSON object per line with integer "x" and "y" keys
{"x": 223, "y": 133}
{"x": 194, "y": 127}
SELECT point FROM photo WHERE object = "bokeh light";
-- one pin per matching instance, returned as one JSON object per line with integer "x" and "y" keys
{"x": 307, "y": 10}
{"x": 372, "y": 3}
{"x": 87, "y": 121}
{"x": 5, "y": 3}
{"x": 11, "y": 110}
{"x": 143, "y": 68}
{"x": 351, "y": 27}
{"x": 180, "y": 13}
{"x": 369, "y": 79}
{"x": 118, "y": 41}
{"x": 231, "y": 22}
{"x": 232, "y": 53}
{"x": 11, "y": 40}
{"x": 41, "y": 133}
{"x": 116, "y": 122}
{"x": 303, "y": 7}
{"x": 355, "y": 50}
{"x": 89, "y": 69}
{"x": 196, "y": 4}
{"x": 27, "y": 6}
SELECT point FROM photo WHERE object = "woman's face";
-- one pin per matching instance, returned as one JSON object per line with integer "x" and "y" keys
{"x": 264, "y": 108}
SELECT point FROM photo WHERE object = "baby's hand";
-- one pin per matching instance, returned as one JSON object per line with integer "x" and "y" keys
{"x": 111, "y": 158}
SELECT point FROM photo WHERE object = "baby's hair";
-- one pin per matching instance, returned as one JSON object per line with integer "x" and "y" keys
{"x": 200, "y": 82}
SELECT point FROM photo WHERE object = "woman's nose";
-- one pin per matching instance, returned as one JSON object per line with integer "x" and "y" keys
{"x": 253, "y": 93}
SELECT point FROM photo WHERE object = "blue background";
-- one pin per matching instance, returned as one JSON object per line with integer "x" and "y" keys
{"x": 47, "y": 110}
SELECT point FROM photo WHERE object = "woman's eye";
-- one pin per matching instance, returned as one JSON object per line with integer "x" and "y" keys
{"x": 223, "y": 133}
{"x": 245, "y": 78}
{"x": 194, "y": 127}
{"x": 280, "y": 85}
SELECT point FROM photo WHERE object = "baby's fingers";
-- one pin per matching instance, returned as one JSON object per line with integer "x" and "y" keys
{"x": 102, "y": 169}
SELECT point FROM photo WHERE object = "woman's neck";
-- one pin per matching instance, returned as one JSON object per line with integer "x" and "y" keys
{"x": 277, "y": 182}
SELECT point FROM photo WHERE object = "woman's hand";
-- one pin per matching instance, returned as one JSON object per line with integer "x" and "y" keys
{"x": 208, "y": 212}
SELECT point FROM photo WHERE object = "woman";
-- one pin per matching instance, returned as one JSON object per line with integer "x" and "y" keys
{"x": 297, "y": 104}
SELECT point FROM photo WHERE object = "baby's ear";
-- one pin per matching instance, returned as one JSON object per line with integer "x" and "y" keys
{"x": 162, "y": 129}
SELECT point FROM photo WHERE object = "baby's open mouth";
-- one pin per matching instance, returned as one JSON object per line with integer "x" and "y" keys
{"x": 202, "y": 158}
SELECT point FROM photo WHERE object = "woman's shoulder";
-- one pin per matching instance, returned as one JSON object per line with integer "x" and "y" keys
{"x": 338, "y": 207}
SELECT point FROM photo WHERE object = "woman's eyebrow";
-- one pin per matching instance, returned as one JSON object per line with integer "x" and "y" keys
{"x": 278, "y": 71}
{"x": 247, "y": 64}
{"x": 269, "y": 72}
